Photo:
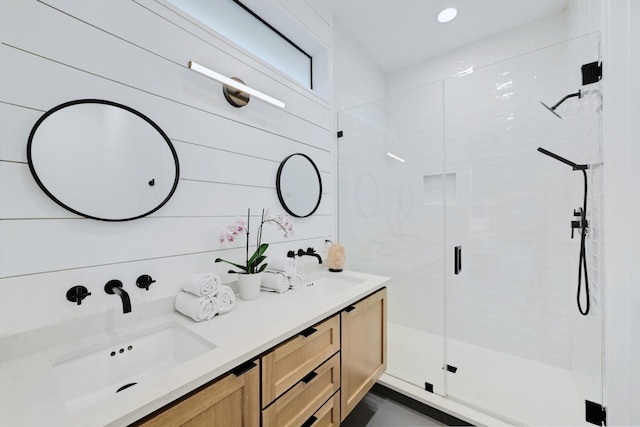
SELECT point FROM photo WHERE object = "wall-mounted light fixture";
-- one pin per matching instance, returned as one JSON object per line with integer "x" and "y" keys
{"x": 234, "y": 89}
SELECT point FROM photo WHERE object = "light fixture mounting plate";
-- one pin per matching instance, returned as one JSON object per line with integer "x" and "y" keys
{"x": 234, "y": 96}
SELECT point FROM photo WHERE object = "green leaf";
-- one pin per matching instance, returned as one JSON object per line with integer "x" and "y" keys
{"x": 256, "y": 263}
{"x": 263, "y": 248}
{"x": 262, "y": 268}
{"x": 258, "y": 253}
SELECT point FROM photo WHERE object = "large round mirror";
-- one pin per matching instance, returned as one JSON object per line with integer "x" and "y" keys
{"x": 299, "y": 185}
{"x": 102, "y": 160}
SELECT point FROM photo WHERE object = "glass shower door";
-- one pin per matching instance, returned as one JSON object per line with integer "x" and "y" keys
{"x": 517, "y": 346}
{"x": 391, "y": 220}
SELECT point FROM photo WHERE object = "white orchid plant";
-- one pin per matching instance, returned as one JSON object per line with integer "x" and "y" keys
{"x": 254, "y": 263}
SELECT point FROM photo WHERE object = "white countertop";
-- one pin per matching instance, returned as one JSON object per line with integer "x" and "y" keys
{"x": 30, "y": 396}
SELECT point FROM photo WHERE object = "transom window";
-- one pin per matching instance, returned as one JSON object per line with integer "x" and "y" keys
{"x": 238, "y": 23}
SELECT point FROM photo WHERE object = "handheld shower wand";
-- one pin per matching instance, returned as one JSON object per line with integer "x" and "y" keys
{"x": 580, "y": 224}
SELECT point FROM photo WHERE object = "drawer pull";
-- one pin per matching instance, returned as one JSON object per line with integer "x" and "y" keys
{"x": 245, "y": 367}
{"x": 307, "y": 378}
{"x": 308, "y": 332}
{"x": 350, "y": 308}
{"x": 310, "y": 421}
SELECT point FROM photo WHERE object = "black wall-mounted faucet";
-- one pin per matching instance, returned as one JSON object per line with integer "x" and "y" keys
{"x": 115, "y": 287}
{"x": 308, "y": 252}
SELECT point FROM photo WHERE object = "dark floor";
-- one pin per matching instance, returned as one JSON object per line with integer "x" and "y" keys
{"x": 376, "y": 410}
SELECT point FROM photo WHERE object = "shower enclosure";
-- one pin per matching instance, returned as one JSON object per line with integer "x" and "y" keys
{"x": 442, "y": 188}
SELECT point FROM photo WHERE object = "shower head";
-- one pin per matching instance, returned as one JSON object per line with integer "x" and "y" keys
{"x": 553, "y": 109}
{"x": 575, "y": 166}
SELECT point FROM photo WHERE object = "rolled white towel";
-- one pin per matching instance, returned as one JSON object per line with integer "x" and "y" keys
{"x": 202, "y": 284}
{"x": 195, "y": 307}
{"x": 216, "y": 307}
{"x": 285, "y": 264}
{"x": 226, "y": 299}
{"x": 275, "y": 281}
{"x": 295, "y": 280}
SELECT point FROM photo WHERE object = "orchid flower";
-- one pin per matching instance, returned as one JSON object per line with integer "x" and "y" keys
{"x": 253, "y": 264}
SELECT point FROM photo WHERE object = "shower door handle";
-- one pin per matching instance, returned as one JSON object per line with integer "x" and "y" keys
{"x": 457, "y": 260}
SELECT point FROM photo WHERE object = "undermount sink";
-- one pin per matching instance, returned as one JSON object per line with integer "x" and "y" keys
{"x": 335, "y": 282}
{"x": 91, "y": 374}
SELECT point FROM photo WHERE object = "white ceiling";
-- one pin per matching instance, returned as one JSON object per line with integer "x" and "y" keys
{"x": 399, "y": 33}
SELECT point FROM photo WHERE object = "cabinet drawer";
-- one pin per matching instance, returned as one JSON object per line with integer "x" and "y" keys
{"x": 328, "y": 415}
{"x": 288, "y": 363}
{"x": 297, "y": 405}
{"x": 232, "y": 401}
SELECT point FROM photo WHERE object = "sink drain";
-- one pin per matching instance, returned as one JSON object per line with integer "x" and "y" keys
{"x": 125, "y": 387}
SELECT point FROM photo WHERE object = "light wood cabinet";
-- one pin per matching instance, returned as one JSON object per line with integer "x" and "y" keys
{"x": 364, "y": 343}
{"x": 288, "y": 363}
{"x": 313, "y": 379}
{"x": 304, "y": 399}
{"x": 232, "y": 401}
{"x": 328, "y": 415}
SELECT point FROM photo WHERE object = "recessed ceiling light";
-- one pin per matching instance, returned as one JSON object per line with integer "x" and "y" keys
{"x": 447, "y": 14}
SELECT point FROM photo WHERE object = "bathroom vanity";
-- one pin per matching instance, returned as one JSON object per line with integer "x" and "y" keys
{"x": 314, "y": 378}
{"x": 305, "y": 357}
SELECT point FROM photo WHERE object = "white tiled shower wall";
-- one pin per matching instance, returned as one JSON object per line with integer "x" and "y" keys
{"x": 384, "y": 217}
{"x": 538, "y": 332}
{"x": 621, "y": 59}
{"x": 518, "y": 292}
{"x": 357, "y": 80}
{"x": 135, "y": 53}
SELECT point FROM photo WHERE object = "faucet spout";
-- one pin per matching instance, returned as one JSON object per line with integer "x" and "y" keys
{"x": 115, "y": 287}
{"x": 317, "y": 256}
{"x": 310, "y": 252}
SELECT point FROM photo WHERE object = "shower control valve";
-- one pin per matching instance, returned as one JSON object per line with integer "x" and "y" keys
{"x": 574, "y": 225}
{"x": 581, "y": 223}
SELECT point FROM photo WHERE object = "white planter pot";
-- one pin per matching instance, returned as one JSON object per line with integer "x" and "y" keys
{"x": 249, "y": 286}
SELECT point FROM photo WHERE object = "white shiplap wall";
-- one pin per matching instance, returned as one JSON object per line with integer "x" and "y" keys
{"x": 135, "y": 52}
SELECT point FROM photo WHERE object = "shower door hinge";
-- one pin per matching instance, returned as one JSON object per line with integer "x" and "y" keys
{"x": 340, "y": 134}
{"x": 595, "y": 413}
{"x": 452, "y": 369}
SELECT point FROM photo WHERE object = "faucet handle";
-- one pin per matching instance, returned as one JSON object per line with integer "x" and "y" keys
{"x": 311, "y": 251}
{"x": 77, "y": 294}
{"x": 144, "y": 281}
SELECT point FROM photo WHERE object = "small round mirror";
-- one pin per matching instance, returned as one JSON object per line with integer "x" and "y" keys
{"x": 102, "y": 160}
{"x": 299, "y": 185}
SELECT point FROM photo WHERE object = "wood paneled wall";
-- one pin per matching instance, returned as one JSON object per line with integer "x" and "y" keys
{"x": 135, "y": 52}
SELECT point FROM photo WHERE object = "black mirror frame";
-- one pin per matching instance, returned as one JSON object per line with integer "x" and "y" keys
{"x": 114, "y": 104}
{"x": 279, "y": 191}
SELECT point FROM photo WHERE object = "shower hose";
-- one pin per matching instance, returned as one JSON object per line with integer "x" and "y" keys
{"x": 582, "y": 264}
